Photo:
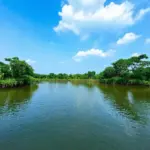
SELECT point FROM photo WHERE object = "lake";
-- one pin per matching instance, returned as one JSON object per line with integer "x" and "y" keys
{"x": 75, "y": 116}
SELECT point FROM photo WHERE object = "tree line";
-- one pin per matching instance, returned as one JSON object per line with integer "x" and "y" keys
{"x": 88, "y": 75}
{"x": 134, "y": 70}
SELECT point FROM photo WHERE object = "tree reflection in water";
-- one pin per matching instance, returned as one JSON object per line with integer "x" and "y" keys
{"x": 11, "y": 100}
{"x": 129, "y": 101}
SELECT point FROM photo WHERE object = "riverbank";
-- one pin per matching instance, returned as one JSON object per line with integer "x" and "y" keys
{"x": 10, "y": 83}
{"x": 125, "y": 82}
{"x": 111, "y": 81}
{"x": 37, "y": 80}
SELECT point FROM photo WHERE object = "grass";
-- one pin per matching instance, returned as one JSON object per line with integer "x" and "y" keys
{"x": 9, "y": 83}
{"x": 122, "y": 81}
{"x": 30, "y": 80}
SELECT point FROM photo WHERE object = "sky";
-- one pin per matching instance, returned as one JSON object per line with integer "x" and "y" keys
{"x": 73, "y": 36}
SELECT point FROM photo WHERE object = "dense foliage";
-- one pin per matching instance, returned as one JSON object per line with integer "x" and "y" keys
{"x": 15, "y": 73}
{"x": 132, "y": 71}
{"x": 88, "y": 75}
{"x": 135, "y": 70}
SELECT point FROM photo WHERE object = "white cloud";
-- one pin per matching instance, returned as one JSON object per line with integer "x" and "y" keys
{"x": 147, "y": 41}
{"x": 135, "y": 55}
{"x": 85, "y": 16}
{"x": 31, "y": 62}
{"x": 128, "y": 38}
{"x": 92, "y": 52}
{"x": 141, "y": 13}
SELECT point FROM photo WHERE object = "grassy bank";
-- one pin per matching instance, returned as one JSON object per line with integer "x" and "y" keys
{"x": 10, "y": 83}
{"x": 17, "y": 82}
{"x": 122, "y": 81}
{"x": 113, "y": 81}
{"x": 37, "y": 80}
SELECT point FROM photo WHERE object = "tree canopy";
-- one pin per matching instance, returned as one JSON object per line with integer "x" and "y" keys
{"x": 134, "y": 70}
{"x": 19, "y": 68}
{"x": 126, "y": 70}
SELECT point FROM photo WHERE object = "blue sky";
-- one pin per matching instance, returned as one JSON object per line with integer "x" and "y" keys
{"x": 73, "y": 36}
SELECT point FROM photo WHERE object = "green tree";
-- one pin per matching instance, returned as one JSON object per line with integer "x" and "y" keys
{"x": 109, "y": 72}
{"x": 19, "y": 68}
{"x": 139, "y": 66}
{"x": 91, "y": 74}
{"x": 121, "y": 67}
{"x": 5, "y": 70}
{"x": 85, "y": 76}
{"x": 146, "y": 73}
{"x": 138, "y": 62}
{"x": 52, "y": 76}
{"x": 62, "y": 76}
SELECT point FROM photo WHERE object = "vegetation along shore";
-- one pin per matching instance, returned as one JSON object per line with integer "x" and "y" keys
{"x": 133, "y": 71}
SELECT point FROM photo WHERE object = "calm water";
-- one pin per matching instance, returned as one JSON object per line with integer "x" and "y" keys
{"x": 75, "y": 116}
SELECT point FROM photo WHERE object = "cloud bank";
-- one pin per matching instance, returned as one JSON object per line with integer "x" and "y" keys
{"x": 83, "y": 16}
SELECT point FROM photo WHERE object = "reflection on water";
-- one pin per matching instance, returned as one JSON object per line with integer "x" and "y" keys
{"x": 12, "y": 100}
{"x": 75, "y": 116}
{"x": 87, "y": 84}
{"x": 131, "y": 101}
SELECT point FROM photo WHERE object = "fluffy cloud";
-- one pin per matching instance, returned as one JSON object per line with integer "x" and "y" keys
{"x": 147, "y": 41}
{"x": 128, "y": 38}
{"x": 135, "y": 55}
{"x": 31, "y": 62}
{"x": 83, "y": 16}
{"x": 92, "y": 52}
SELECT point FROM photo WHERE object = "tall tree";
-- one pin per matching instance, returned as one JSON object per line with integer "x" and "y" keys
{"x": 91, "y": 74}
{"x": 19, "y": 68}
{"x": 121, "y": 67}
{"x": 109, "y": 72}
{"x": 5, "y": 71}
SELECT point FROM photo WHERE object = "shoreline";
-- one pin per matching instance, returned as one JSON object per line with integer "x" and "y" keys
{"x": 14, "y": 83}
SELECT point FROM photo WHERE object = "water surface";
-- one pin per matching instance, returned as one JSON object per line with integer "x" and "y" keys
{"x": 75, "y": 116}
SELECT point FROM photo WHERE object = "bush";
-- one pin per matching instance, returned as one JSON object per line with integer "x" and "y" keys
{"x": 109, "y": 72}
{"x": 8, "y": 83}
{"x": 26, "y": 80}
